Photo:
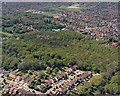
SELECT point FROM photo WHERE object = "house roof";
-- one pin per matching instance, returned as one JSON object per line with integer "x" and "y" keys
{"x": 60, "y": 75}
{"x": 46, "y": 81}
{"x": 12, "y": 75}
{"x": 27, "y": 79}
{"x": 45, "y": 84}
{"x": 40, "y": 86}
{"x": 50, "y": 81}
{"x": 18, "y": 78}
{"x": 60, "y": 89}
{"x": 68, "y": 70}
{"x": 74, "y": 66}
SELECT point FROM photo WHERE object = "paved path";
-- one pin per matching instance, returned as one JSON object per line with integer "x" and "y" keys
{"x": 54, "y": 86}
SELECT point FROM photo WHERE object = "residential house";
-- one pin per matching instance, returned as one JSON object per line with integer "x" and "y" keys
{"x": 46, "y": 84}
{"x": 46, "y": 81}
{"x": 60, "y": 91}
{"x": 15, "y": 91}
{"x": 74, "y": 67}
{"x": 28, "y": 80}
{"x": 60, "y": 76}
{"x": 18, "y": 78}
{"x": 40, "y": 86}
{"x": 68, "y": 71}
{"x": 12, "y": 76}
{"x": 51, "y": 81}
{"x": 54, "y": 79}
{"x": 6, "y": 74}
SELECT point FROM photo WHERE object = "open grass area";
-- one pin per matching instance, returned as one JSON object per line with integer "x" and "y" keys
{"x": 8, "y": 34}
{"x": 49, "y": 14}
{"x": 72, "y": 8}
{"x": 68, "y": 8}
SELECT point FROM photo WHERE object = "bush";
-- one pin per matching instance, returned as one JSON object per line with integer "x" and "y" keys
{"x": 9, "y": 78}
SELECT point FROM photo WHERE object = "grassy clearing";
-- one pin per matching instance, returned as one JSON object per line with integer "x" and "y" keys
{"x": 72, "y": 9}
{"x": 67, "y": 8}
{"x": 61, "y": 8}
{"x": 8, "y": 34}
{"x": 49, "y": 14}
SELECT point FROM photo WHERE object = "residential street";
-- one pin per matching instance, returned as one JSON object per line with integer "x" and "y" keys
{"x": 15, "y": 84}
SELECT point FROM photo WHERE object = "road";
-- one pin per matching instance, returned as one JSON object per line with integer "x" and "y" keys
{"x": 54, "y": 86}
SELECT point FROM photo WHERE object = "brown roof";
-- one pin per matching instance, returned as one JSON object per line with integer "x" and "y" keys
{"x": 60, "y": 89}
{"x": 40, "y": 86}
{"x": 18, "y": 78}
{"x": 50, "y": 81}
{"x": 74, "y": 66}
{"x": 15, "y": 90}
{"x": 12, "y": 76}
{"x": 45, "y": 84}
{"x": 46, "y": 81}
{"x": 68, "y": 70}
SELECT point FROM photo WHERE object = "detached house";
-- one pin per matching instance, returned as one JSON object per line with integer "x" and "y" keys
{"x": 74, "y": 67}
{"x": 69, "y": 71}
{"x": 28, "y": 80}
{"x": 6, "y": 74}
{"x": 12, "y": 76}
{"x": 60, "y": 76}
{"x": 86, "y": 76}
{"x": 15, "y": 91}
{"x": 60, "y": 91}
{"x": 51, "y": 81}
{"x": 18, "y": 78}
{"x": 40, "y": 86}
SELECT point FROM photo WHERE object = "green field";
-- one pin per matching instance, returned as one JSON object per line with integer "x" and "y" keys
{"x": 8, "y": 34}
{"x": 66, "y": 8}
{"x": 73, "y": 9}
{"x": 49, "y": 14}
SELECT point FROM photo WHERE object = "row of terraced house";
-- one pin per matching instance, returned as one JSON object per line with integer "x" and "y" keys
{"x": 70, "y": 84}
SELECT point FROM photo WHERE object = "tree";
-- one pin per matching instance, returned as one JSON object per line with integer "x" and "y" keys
{"x": 96, "y": 80}
{"x": 65, "y": 77}
{"x": 41, "y": 75}
{"x": 49, "y": 71}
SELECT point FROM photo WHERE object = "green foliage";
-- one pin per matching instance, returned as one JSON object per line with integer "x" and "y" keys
{"x": 85, "y": 89}
{"x": 9, "y": 78}
{"x": 96, "y": 80}
{"x": 49, "y": 71}
{"x": 31, "y": 86}
{"x": 112, "y": 87}
{"x": 65, "y": 77}
{"x": 38, "y": 21}
{"x": 58, "y": 49}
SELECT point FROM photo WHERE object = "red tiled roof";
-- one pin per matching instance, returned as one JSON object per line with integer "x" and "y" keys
{"x": 60, "y": 89}
{"x": 68, "y": 70}
{"x": 18, "y": 78}
{"x": 12, "y": 75}
{"x": 40, "y": 86}
{"x": 74, "y": 66}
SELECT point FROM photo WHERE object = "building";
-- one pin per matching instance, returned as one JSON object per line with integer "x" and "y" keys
{"x": 12, "y": 76}
{"x": 60, "y": 91}
{"x": 68, "y": 71}
{"x": 74, "y": 67}
{"x": 40, "y": 86}
{"x": 28, "y": 80}
{"x": 18, "y": 78}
